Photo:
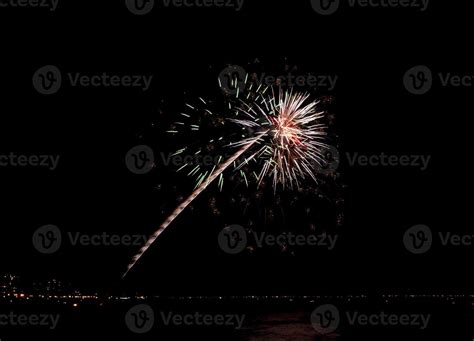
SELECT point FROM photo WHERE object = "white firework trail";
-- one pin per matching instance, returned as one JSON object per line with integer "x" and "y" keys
{"x": 190, "y": 199}
{"x": 288, "y": 139}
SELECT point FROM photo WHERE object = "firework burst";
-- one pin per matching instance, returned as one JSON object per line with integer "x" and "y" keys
{"x": 292, "y": 147}
{"x": 281, "y": 136}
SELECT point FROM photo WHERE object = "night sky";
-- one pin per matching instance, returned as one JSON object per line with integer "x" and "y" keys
{"x": 91, "y": 191}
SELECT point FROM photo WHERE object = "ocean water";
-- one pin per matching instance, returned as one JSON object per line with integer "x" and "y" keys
{"x": 259, "y": 321}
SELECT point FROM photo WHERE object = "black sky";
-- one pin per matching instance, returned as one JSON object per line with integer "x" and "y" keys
{"x": 92, "y": 129}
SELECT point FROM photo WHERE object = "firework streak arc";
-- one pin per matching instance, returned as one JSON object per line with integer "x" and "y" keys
{"x": 188, "y": 201}
{"x": 290, "y": 146}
